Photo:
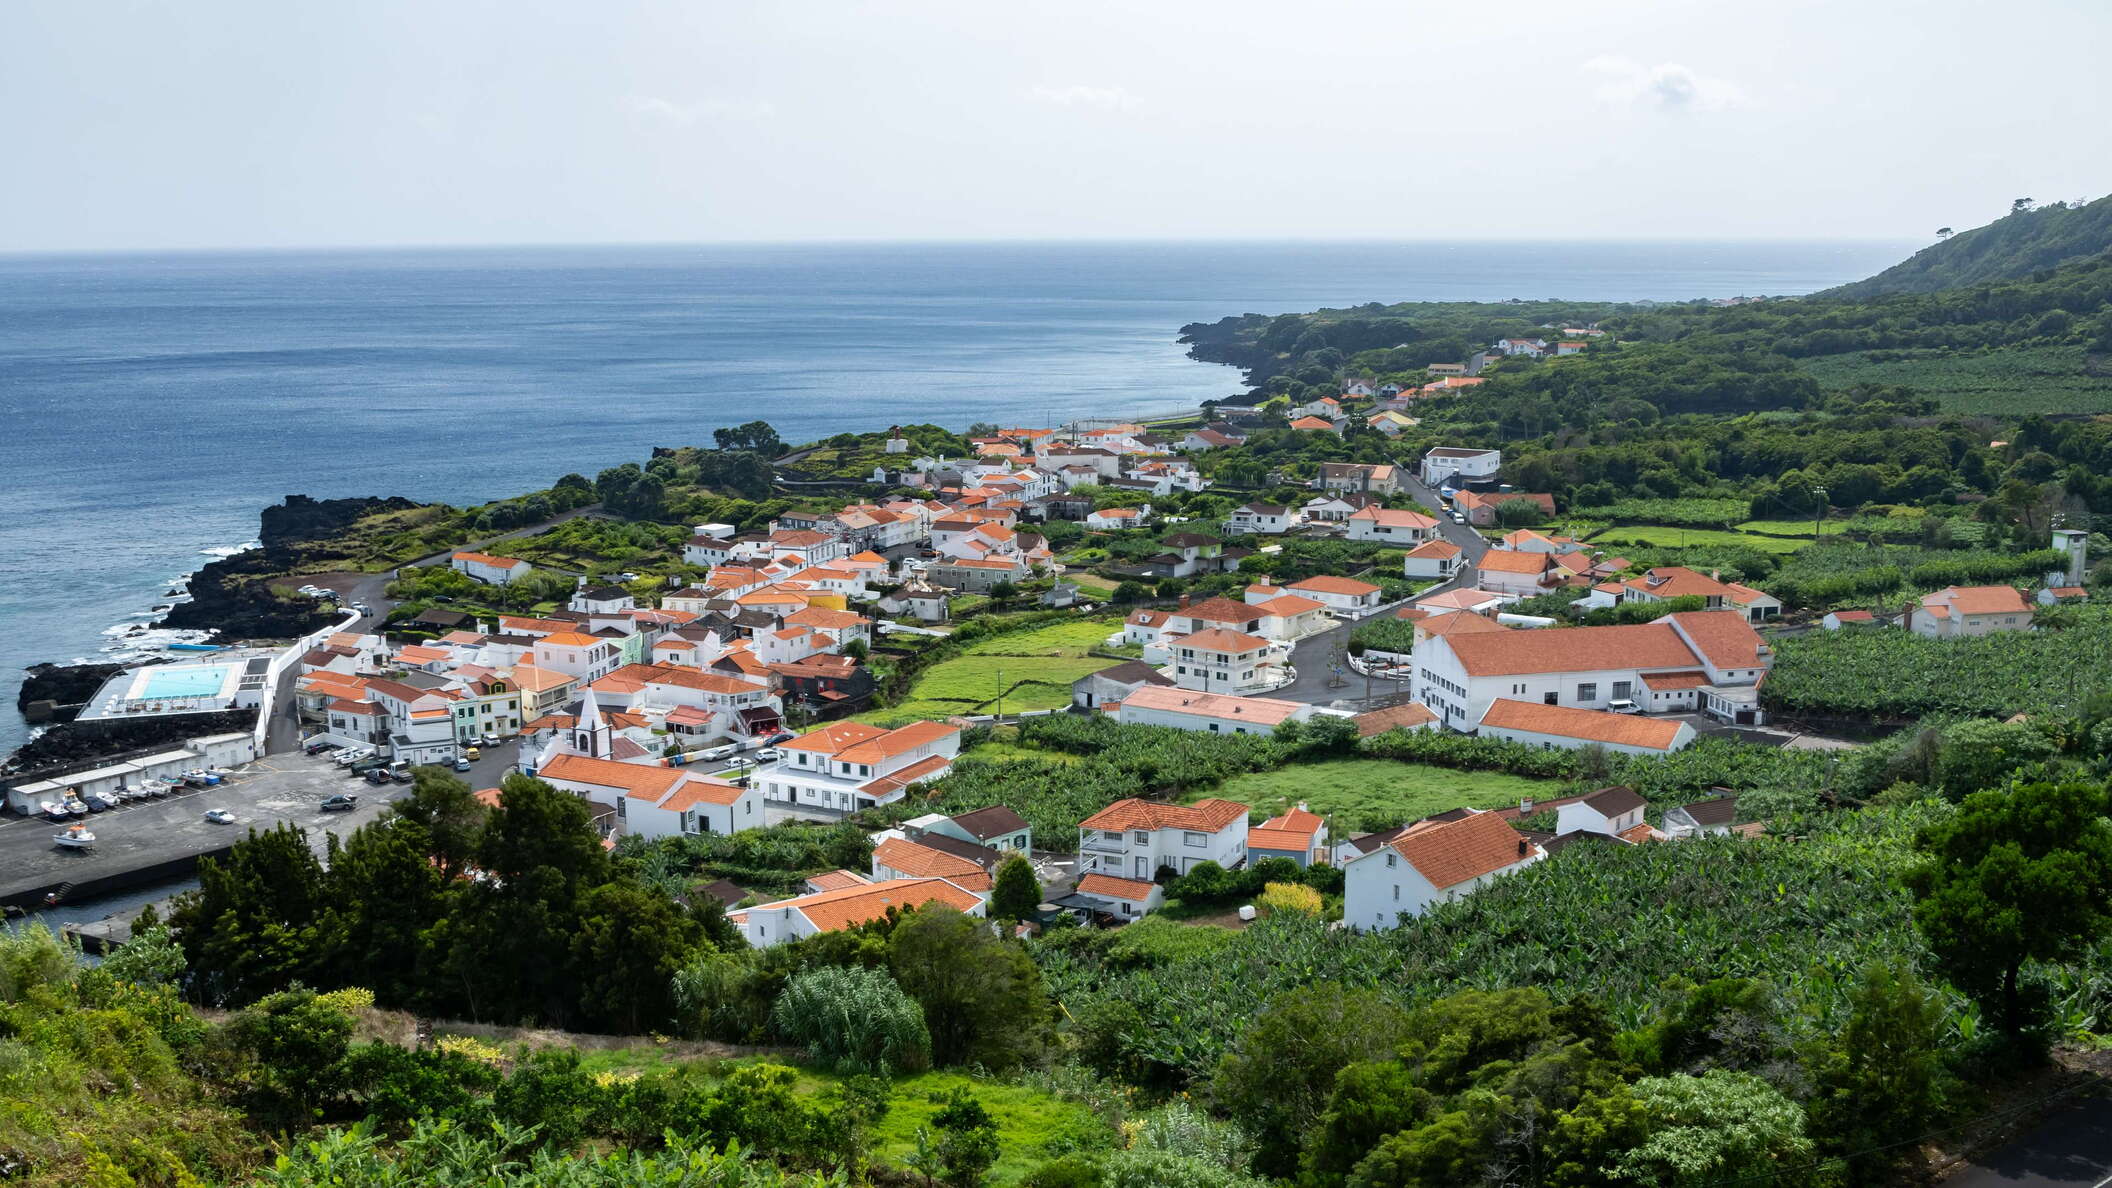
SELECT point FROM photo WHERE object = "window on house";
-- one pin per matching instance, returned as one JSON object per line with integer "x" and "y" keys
{"x": 1550, "y": 699}
{"x": 1389, "y": 860}
{"x": 1622, "y": 690}
{"x": 1588, "y": 691}
{"x": 1143, "y": 838}
{"x": 1396, "y": 892}
{"x": 1195, "y": 840}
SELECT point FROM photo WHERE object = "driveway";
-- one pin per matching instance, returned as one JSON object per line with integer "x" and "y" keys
{"x": 2073, "y": 1149}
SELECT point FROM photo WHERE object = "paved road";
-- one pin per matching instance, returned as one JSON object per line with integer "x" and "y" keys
{"x": 2073, "y": 1149}
{"x": 1473, "y": 543}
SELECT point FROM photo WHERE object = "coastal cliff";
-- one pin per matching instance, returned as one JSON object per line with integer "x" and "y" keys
{"x": 230, "y": 597}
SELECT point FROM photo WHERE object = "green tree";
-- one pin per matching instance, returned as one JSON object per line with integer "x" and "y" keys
{"x": 384, "y": 894}
{"x": 450, "y": 815}
{"x": 967, "y": 1145}
{"x": 2011, "y": 878}
{"x": 252, "y": 927}
{"x": 1718, "y": 1126}
{"x": 982, "y": 995}
{"x": 1016, "y": 893}
{"x": 1886, "y": 1081}
{"x": 1370, "y": 1101}
{"x": 1276, "y": 1078}
{"x": 297, "y": 1043}
{"x": 854, "y": 1019}
{"x": 629, "y": 944}
{"x": 1980, "y": 753}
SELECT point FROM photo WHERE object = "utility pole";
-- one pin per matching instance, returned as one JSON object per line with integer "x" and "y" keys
{"x": 1818, "y": 511}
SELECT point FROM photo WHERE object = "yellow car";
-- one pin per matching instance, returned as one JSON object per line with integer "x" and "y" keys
{"x": 471, "y": 753}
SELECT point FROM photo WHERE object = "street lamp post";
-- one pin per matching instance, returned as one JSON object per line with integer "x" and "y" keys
{"x": 1818, "y": 511}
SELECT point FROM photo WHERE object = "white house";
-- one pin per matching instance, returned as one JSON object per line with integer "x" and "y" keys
{"x": 1369, "y": 478}
{"x": 1431, "y": 862}
{"x": 1260, "y": 519}
{"x": 1433, "y": 559}
{"x": 1219, "y": 660}
{"x": 1712, "y": 817}
{"x": 997, "y": 827}
{"x": 1667, "y": 582}
{"x": 1447, "y": 463}
{"x": 1835, "y": 620}
{"x": 1958, "y": 611}
{"x": 1565, "y": 727}
{"x": 1516, "y": 572}
{"x": 1339, "y": 593}
{"x": 1134, "y": 839}
{"x": 1707, "y": 660}
{"x": 656, "y": 801}
{"x": 1213, "y": 713}
{"x": 803, "y": 916}
{"x": 494, "y": 571}
{"x": 1611, "y": 811}
{"x": 585, "y": 658}
{"x": 1120, "y": 898}
{"x": 1112, "y": 518}
{"x": 1299, "y": 835}
{"x": 1391, "y": 525}
{"x": 850, "y": 765}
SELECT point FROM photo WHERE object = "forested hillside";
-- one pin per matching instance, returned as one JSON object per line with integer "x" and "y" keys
{"x": 2026, "y": 240}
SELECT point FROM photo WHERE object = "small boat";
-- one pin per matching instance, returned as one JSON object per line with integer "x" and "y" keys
{"x": 73, "y": 807}
{"x": 73, "y": 837}
{"x": 101, "y": 798}
{"x": 155, "y": 789}
{"x": 53, "y": 810}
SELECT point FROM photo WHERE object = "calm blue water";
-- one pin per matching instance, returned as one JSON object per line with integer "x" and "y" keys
{"x": 152, "y": 404}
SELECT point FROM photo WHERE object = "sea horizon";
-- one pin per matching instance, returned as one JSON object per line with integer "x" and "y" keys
{"x": 164, "y": 397}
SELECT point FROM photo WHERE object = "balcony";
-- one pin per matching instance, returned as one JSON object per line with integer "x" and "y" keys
{"x": 1096, "y": 844}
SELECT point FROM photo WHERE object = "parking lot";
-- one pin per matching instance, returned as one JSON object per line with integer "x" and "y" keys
{"x": 149, "y": 834}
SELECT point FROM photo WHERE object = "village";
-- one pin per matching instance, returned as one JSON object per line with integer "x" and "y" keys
{"x": 742, "y": 692}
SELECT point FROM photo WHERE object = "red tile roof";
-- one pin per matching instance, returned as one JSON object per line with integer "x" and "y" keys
{"x": 1329, "y": 584}
{"x": 1111, "y": 887}
{"x": 1564, "y": 721}
{"x": 833, "y": 911}
{"x": 1209, "y": 815}
{"x": 1449, "y": 853}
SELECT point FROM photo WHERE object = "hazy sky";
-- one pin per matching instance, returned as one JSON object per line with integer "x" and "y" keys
{"x": 285, "y": 122}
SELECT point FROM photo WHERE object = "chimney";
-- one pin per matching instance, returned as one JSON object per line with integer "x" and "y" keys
{"x": 1184, "y": 601}
{"x": 580, "y": 583}
{"x": 1524, "y": 847}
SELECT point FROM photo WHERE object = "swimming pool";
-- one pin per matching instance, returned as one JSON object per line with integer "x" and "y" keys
{"x": 180, "y": 680}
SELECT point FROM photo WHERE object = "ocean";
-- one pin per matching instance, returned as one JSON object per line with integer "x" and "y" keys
{"x": 153, "y": 404}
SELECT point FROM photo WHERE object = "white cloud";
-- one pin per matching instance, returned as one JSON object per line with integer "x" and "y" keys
{"x": 655, "y": 109}
{"x": 1667, "y": 86}
{"x": 1103, "y": 98}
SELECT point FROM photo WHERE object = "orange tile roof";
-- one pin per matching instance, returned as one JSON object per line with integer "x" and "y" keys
{"x": 1133, "y": 890}
{"x": 570, "y": 639}
{"x": 893, "y": 782}
{"x": 1667, "y": 681}
{"x": 1723, "y": 638}
{"x": 1329, "y": 584}
{"x": 1208, "y": 815}
{"x": 1511, "y": 561}
{"x": 1564, "y": 721}
{"x": 1263, "y": 711}
{"x": 1219, "y": 639}
{"x": 1983, "y": 600}
{"x": 1455, "y": 623}
{"x": 1435, "y": 548}
{"x": 488, "y": 559}
{"x": 1459, "y": 600}
{"x": 898, "y": 741}
{"x": 833, "y": 911}
{"x": 637, "y": 780}
{"x": 833, "y": 737}
{"x": 703, "y": 790}
{"x": 1219, "y": 609}
{"x": 923, "y": 862}
{"x": 1573, "y": 649}
{"x": 1286, "y": 605}
{"x": 1312, "y": 423}
{"x": 1449, "y": 853}
{"x": 1407, "y": 716}
{"x": 1393, "y": 518}
{"x": 1637, "y": 833}
{"x": 837, "y": 880}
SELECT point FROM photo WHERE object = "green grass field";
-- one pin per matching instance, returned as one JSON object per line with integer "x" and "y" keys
{"x": 2014, "y": 380}
{"x": 1366, "y": 794}
{"x": 1780, "y": 527}
{"x": 980, "y": 678}
{"x": 1007, "y": 751}
{"x": 1673, "y": 538}
{"x": 1071, "y": 639}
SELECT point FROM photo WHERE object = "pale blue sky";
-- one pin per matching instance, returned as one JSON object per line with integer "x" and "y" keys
{"x": 240, "y": 123}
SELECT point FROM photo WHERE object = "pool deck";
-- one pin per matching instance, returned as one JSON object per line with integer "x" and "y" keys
{"x": 116, "y": 699}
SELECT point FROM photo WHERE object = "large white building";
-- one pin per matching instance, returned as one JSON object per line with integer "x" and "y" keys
{"x": 1707, "y": 660}
{"x": 1224, "y": 661}
{"x": 1957, "y": 611}
{"x": 1430, "y": 862}
{"x": 494, "y": 571}
{"x": 1391, "y": 525}
{"x": 1134, "y": 839}
{"x": 1453, "y": 464}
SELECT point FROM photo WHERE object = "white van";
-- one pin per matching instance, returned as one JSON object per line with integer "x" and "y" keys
{"x": 1624, "y": 706}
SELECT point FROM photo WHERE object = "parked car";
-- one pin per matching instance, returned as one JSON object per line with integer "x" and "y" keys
{"x": 739, "y": 761}
{"x": 769, "y": 755}
{"x": 220, "y": 816}
{"x": 721, "y": 752}
{"x": 97, "y": 803}
{"x": 1624, "y": 706}
{"x": 317, "y": 748}
{"x": 780, "y": 736}
{"x": 461, "y": 764}
{"x": 340, "y": 803}
{"x": 491, "y": 740}
{"x": 472, "y": 753}
{"x": 401, "y": 775}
